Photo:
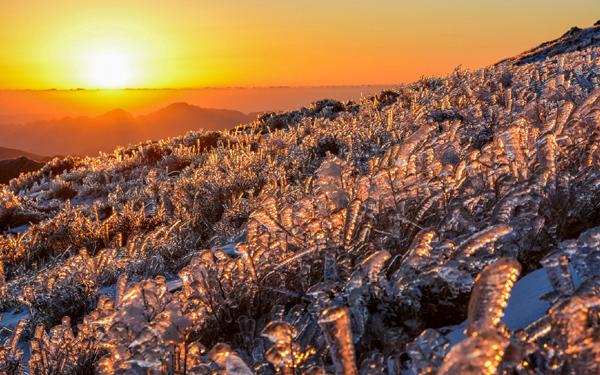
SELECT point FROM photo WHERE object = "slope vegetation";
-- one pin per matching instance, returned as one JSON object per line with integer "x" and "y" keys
{"x": 341, "y": 237}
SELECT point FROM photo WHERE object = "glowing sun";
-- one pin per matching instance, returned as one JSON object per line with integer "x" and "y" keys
{"x": 109, "y": 69}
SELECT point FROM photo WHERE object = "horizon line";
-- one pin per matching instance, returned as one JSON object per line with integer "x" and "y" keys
{"x": 204, "y": 87}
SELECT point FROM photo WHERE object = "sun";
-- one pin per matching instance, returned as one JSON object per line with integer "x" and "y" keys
{"x": 109, "y": 69}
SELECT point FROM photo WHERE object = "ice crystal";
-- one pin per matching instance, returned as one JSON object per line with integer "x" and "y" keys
{"x": 490, "y": 295}
{"x": 335, "y": 323}
{"x": 479, "y": 354}
{"x": 228, "y": 360}
{"x": 559, "y": 273}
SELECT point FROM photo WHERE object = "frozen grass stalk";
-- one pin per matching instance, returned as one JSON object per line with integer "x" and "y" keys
{"x": 335, "y": 323}
{"x": 477, "y": 355}
{"x": 280, "y": 354}
{"x": 490, "y": 295}
{"x": 557, "y": 267}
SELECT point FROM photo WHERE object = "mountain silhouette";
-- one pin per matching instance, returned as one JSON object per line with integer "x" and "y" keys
{"x": 11, "y": 153}
{"x": 89, "y": 135}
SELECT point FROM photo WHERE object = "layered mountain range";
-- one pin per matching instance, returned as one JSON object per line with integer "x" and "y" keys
{"x": 86, "y": 136}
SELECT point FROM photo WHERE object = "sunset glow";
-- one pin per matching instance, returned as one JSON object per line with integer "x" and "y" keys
{"x": 299, "y": 187}
{"x": 184, "y": 43}
{"x": 109, "y": 69}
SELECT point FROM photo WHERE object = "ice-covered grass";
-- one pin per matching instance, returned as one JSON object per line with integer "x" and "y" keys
{"x": 355, "y": 229}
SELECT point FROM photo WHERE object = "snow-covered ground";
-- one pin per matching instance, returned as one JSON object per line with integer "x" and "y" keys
{"x": 525, "y": 304}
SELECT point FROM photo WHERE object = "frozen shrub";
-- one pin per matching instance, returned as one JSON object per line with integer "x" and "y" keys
{"x": 341, "y": 237}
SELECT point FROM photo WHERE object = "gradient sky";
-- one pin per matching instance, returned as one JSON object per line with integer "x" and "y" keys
{"x": 184, "y": 43}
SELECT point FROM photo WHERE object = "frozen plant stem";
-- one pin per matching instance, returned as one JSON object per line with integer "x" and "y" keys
{"x": 475, "y": 355}
{"x": 490, "y": 295}
{"x": 335, "y": 323}
{"x": 559, "y": 273}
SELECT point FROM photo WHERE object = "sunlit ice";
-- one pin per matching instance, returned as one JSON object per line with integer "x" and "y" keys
{"x": 151, "y": 224}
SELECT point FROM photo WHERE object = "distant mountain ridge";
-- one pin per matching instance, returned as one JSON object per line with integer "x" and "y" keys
{"x": 89, "y": 135}
{"x": 11, "y": 153}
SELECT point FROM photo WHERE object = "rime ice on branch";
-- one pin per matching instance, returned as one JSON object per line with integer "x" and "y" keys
{"x": 490, "y": 295}
{"x": 475, "y": 355}
{"x": 335, "y": 323}
{"x": 559, "y": 272}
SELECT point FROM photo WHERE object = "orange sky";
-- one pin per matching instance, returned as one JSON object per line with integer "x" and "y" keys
{"x": 198, "y": 43}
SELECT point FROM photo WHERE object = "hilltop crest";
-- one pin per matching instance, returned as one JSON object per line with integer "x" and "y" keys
{"x": 575, "y": 39}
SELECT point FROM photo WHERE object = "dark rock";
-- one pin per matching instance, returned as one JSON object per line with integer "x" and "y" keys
{"x": 327, "y": 144}
{"x": 385, "y": 98}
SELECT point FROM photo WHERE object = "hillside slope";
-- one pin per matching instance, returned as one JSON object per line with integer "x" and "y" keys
{"x": 13, "y": 162}
{"x": 575, "y": 39}
{"x": 11, "y": 168}
{"x": 337, "y": 237}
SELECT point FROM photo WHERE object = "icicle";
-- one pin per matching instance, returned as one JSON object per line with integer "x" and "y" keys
{"x": 121, "y": 286}
{"x": 248, "y": 261}
{"x": 508, "y": 100}
{"x": 570, "y": 319}
{"x": 407, "y": 147}
{"x": 563, "y": 115}
{"x": 503, "y": 212}
{"x": 427, "y": 351}
{"x": 38, "y": 361}
{"x": 535, "y": 330}
{"x": 557, "y": 267}
{"x": 420, "y": 248}
{"x": 269, "y": 205}
{"x": 546, "y": 151}
{"x": 482, "y": 238}
{"x": 279, "y": 331}
{"x": 476, "y": 355}
{"x": 286, "y": 218}
{"x": 330, "y": 181}
{"x": 351, "y": 221}
{"x": 514, "y": 149}
{"x": 3, "y": 288}
{"x": 373, "y": 265}
{"x": 228, "y": 360}
{"x": 490, "y": 295}
{"x": 286, "y": 355}
{"x": 252, "y": 233}
{"x": 66, "y": 329}
{"x": 335, "y": 323}
{"x": 430, "y": 201}
{"x": 14, "y": 348}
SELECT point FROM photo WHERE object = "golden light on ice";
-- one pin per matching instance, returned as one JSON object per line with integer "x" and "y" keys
{"x": 109, "y": 69}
